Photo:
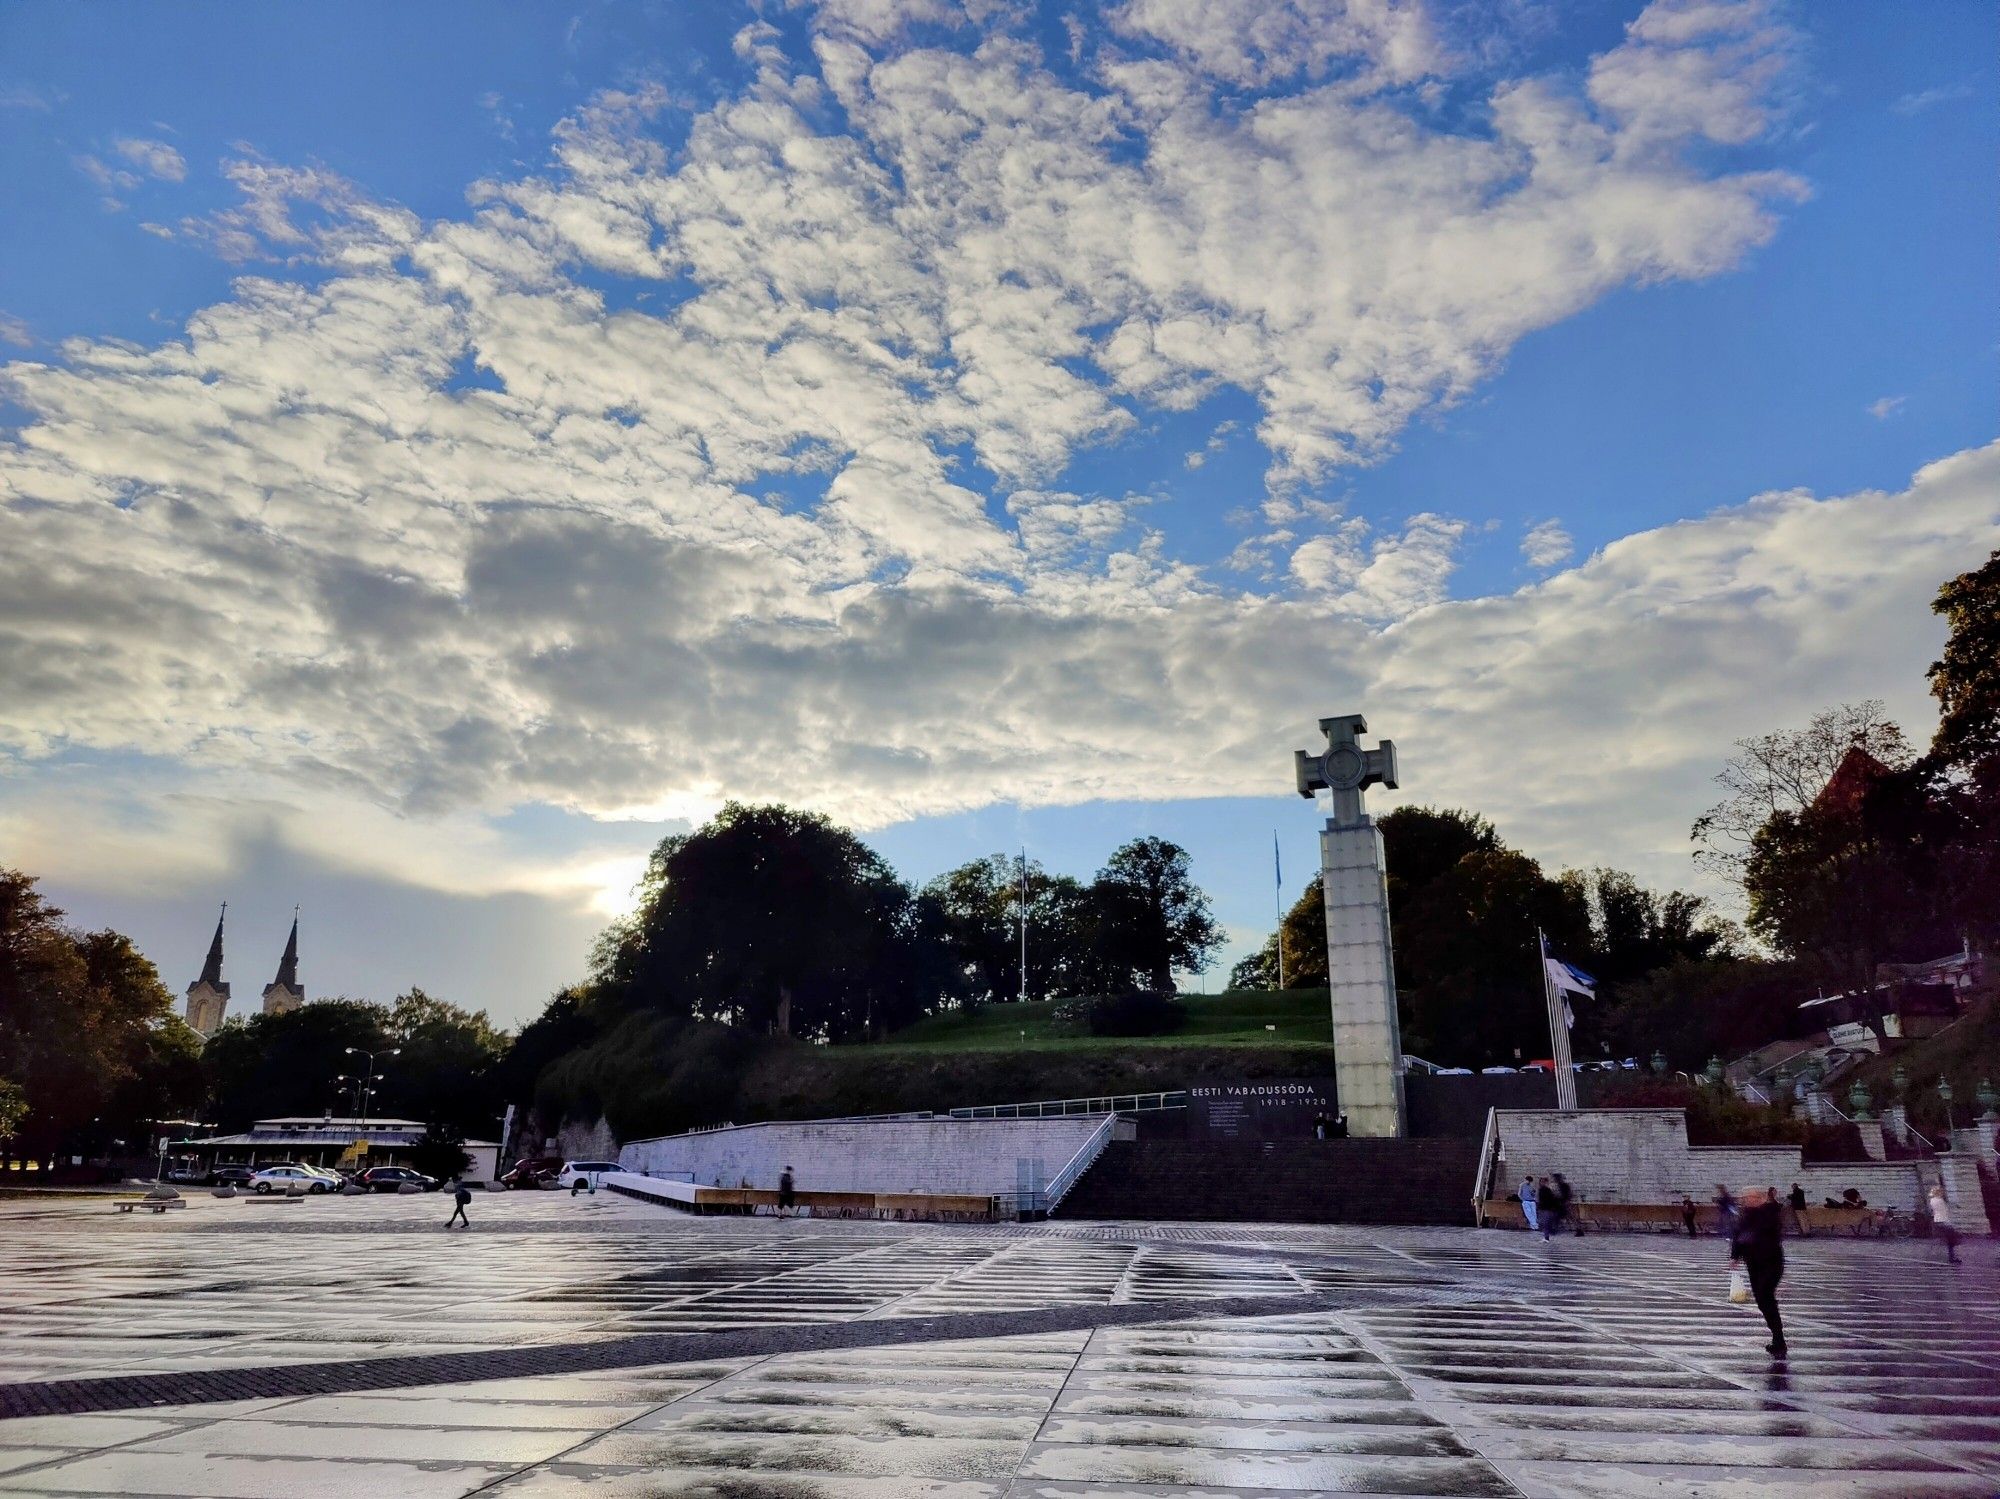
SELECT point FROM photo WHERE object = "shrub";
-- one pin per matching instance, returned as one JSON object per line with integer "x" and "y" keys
{"x": 1139, "y": 1013}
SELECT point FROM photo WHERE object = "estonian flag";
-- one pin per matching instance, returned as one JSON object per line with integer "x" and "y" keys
{"x": 1568, "y": 979}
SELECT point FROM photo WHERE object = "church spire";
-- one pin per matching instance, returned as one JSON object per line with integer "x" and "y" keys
{"x": 211, "y": 971}
{"x": 284, "y": 993}
{"x": 288, "y": 965}
{"x": 208, "y": 996}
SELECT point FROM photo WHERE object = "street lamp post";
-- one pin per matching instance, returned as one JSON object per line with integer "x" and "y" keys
{"x": 368, "y": 1083}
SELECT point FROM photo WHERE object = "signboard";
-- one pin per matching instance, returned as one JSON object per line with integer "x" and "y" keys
{"x": 1282, "y": 1108}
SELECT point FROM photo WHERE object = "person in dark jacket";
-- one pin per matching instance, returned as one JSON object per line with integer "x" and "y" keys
{"x": 1687, "y": 1214}
{"x": 1566, "y": 1205}
{"x": 1758, "y": 1243}
{"x": 785, "y": 1194}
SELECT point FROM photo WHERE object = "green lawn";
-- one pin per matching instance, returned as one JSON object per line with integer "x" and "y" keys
{"x": 1255, "y": 1017}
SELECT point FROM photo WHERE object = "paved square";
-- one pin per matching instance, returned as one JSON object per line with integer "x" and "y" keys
{"x": 371, "y": 1353}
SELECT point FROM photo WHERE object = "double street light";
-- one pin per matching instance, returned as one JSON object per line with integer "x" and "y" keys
{"x": 367, "y": 1084}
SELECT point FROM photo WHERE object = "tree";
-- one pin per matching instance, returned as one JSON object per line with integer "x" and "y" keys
{"x": 767, "y": 918}
{"x": 1151, "y": 916}
{"x": 447, "y": 1073}
{"x": 1966, "y": 678}
{"x": 977, "y": 914}
{"x": 280, "y": 1066}
{"x": 1259, "y": 970}
{"x": 13, "y": 1108}
{"x": 1845, "y": 886}
{"x": 1694, "y": 1009}
{"x": 1963, "y": 766}
{"x": 79, "y": 1016}
{"x": 441, "y": 1153}
{"x": 1785, "y": 772}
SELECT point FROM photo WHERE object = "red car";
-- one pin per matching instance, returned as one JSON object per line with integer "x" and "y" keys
{"x": 537, "y": 1171}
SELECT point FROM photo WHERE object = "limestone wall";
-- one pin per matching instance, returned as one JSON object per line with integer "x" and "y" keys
{"x": 977, "y": 1156}
{"x": 1643, "y": 1155}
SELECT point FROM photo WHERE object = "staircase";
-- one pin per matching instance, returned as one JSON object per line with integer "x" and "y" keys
{"x": 1280, "y": 1181}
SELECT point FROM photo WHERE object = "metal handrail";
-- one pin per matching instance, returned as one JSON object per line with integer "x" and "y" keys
{"x": 1085, "y": 1157}
{"x": 1482, "y": 1183}
{"x": 1116, "y": 1103}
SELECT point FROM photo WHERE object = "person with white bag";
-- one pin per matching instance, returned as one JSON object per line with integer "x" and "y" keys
{"x": 1942, "y": 1226}
{"x": 1757, "y": 1253}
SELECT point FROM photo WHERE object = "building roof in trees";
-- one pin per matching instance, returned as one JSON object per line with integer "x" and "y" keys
{"x": 1852, "y": 779}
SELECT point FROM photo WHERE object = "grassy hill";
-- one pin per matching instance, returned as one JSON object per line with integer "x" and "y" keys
{"x": 652, "y": 1074}
{"x": 1248, "y": 1018}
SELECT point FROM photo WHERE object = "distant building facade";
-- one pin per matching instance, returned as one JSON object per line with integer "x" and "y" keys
{"x": 208, "y": 995}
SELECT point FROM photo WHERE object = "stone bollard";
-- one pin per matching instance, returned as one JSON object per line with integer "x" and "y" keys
{"x": 352, "y": 1189}
{"x": 225, "y": 1190}
{"x": 407, "y": 1189}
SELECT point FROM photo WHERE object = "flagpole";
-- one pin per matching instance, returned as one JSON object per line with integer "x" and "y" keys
{"x": 1024, "y": 923}
{"x": 1278, "y": 903}
{"x": 1558, "y": 1033}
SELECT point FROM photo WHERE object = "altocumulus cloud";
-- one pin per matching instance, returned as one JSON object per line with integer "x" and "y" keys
{"x": 297, "y": 549}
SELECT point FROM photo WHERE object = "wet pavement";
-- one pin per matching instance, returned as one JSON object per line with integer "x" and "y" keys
{"x": 1377, "y": 1361}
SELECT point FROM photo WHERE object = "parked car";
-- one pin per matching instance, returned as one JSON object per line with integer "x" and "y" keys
{"x": 284, "y": 1178}
{"x": 535, "y": 1171}
{"x": 1497, "y": 1071}
{"x": 590, "y": 1173}
{"x": 389, "y": 1178}
{"x": 232, "y": 1176}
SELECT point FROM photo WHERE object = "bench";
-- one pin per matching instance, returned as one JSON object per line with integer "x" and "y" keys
{"x": 157, "y": 1207}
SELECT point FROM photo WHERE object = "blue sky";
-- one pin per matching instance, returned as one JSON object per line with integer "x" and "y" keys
{"x": 494, "y": 436}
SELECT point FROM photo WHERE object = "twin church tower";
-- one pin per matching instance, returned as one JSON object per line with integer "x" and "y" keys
{"x": 208, "y": 996}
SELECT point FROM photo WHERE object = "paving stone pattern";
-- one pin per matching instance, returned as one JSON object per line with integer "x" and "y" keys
{"x": 1259, "y": 1360}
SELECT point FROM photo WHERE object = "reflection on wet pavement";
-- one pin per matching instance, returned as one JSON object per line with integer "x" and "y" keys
{"x": 1458, "y": 1363}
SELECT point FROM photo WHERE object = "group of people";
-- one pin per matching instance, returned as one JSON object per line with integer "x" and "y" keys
{"x": 1545, "y": 1203}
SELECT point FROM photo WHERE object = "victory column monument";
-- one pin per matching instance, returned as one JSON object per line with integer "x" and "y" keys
{"x": 1360, "y": 967}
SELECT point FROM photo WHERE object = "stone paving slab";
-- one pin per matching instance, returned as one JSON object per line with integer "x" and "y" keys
{"x": 833, "y": 1361}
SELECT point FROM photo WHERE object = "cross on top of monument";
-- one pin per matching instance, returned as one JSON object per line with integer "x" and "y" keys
{"x": 1344, "y": 767}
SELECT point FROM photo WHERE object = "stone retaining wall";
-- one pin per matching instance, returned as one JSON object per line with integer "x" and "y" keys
{"x": 977, "y": 1156}
{"x": 1643, "y": 1156}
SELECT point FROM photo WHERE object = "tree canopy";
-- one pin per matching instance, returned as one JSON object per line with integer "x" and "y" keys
{"x": 769, "y": 918}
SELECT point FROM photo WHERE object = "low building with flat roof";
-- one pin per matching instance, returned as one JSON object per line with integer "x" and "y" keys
{"x": 325, "y": 1140}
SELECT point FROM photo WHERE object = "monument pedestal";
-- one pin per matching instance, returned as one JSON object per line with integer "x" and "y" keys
{"x": 1367, "y": 1039}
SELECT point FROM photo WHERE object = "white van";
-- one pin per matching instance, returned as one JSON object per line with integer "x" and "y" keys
{"x": 590, "y": 1173}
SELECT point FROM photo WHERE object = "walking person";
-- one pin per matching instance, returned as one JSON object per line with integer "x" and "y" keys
{"x": 1566, "y": 1205}
{"x": 1757, "y": 1242}
{"x": 461, "y": 1195}
{"x": 1549, "y": 1207}
{"x": 1942, "y": 1226}
{"x": 785, "y": 1193}
{"x": 1725, "y": 1207}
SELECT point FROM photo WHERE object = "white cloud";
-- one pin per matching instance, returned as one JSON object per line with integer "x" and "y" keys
{"x": 1255, "y": 42}
{"x": 1887, "y": 407}
{"x": 1547, "y": 544}
{"x": 16, "y": 332}
{"x": 1930, "y": 98}
{"x": 155, "y": 158}
{"x": 111, "y": 179}
{"x": 295, "y": 544}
